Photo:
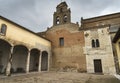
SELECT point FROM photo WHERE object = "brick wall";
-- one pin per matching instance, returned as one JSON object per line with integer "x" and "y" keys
{"x": 71, "y": 54}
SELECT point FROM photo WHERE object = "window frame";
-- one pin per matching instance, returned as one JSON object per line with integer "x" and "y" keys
{"x": 61, "y": 41}
{"x": 65, "y": 18}
{"x": 95, "y": 43}
{"x": 3, "y": 29}
{"x": 57, "y": 20}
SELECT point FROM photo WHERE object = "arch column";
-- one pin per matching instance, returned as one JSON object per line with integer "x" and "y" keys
{"x": 8, "y": 68}
{"x": 49, "y": 57}
{"x": 28, "y": 62}
{"x": 40, "y": 57}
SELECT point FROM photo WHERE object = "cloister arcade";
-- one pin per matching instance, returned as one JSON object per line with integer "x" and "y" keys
{"x": 21, "y": 59}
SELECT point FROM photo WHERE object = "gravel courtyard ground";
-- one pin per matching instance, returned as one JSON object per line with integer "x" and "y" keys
{"x": 59, "y": 77}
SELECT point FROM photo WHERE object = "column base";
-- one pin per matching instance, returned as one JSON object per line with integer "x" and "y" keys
{"x": 8, "y": 73}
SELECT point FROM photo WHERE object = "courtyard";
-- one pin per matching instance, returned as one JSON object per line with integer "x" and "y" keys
{"x": 59, "y": 77}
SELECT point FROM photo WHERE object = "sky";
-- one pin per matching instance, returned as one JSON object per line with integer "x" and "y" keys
{"x": 37, "y": 15}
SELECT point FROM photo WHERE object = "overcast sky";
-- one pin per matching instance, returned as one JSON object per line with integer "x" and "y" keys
{"x": 37, "y": 15}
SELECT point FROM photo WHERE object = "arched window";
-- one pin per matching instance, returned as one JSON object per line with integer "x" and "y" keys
{"x": 57, "y": 20}
{"x": 97, "y": 43}
{"x": 3, "y": 29}
{"x": 93, "y": 43}
{"x": 65, "y": 18}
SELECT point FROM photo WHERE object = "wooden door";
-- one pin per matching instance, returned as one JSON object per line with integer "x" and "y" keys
{"x": 97, "y": 66}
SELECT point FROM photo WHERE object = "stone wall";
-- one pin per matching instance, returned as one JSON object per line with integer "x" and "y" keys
{"x": 104, "y": 52}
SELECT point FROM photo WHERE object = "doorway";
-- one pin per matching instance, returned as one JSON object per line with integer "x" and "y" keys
{"x": 44, "y": 61}
{"x": 97, "y": 66}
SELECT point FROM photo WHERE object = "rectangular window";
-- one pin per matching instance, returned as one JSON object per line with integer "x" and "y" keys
{"x": 61, "y": 41}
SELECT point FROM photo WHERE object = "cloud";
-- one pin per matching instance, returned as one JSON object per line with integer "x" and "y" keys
{"x": 37, "y": 15}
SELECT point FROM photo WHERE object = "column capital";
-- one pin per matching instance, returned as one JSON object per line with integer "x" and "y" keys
{"x": 29, "y": 49}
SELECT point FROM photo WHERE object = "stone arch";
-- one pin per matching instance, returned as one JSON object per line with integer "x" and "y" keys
{"x": 44, "y": 61}
{"x": 65, "y": 18}
{"x": 57, "y": 20}
{"x": 5, "y": 40}
{"x": 22, "y": 44}
{"x": 34, "y": 59}
{"x": 5, "y": 47}
{"x": 19, "y": 58}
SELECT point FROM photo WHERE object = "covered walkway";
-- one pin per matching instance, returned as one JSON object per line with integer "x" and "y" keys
{"x": 20, "y": 59}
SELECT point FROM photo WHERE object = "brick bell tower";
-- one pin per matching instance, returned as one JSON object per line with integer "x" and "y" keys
{"x": 62, "y": 14}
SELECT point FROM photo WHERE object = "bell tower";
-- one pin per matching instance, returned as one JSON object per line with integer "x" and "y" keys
{"x": 62, "y": 14}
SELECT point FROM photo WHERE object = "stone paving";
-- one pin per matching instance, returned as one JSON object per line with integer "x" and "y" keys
{"x": 59, "y": 77}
